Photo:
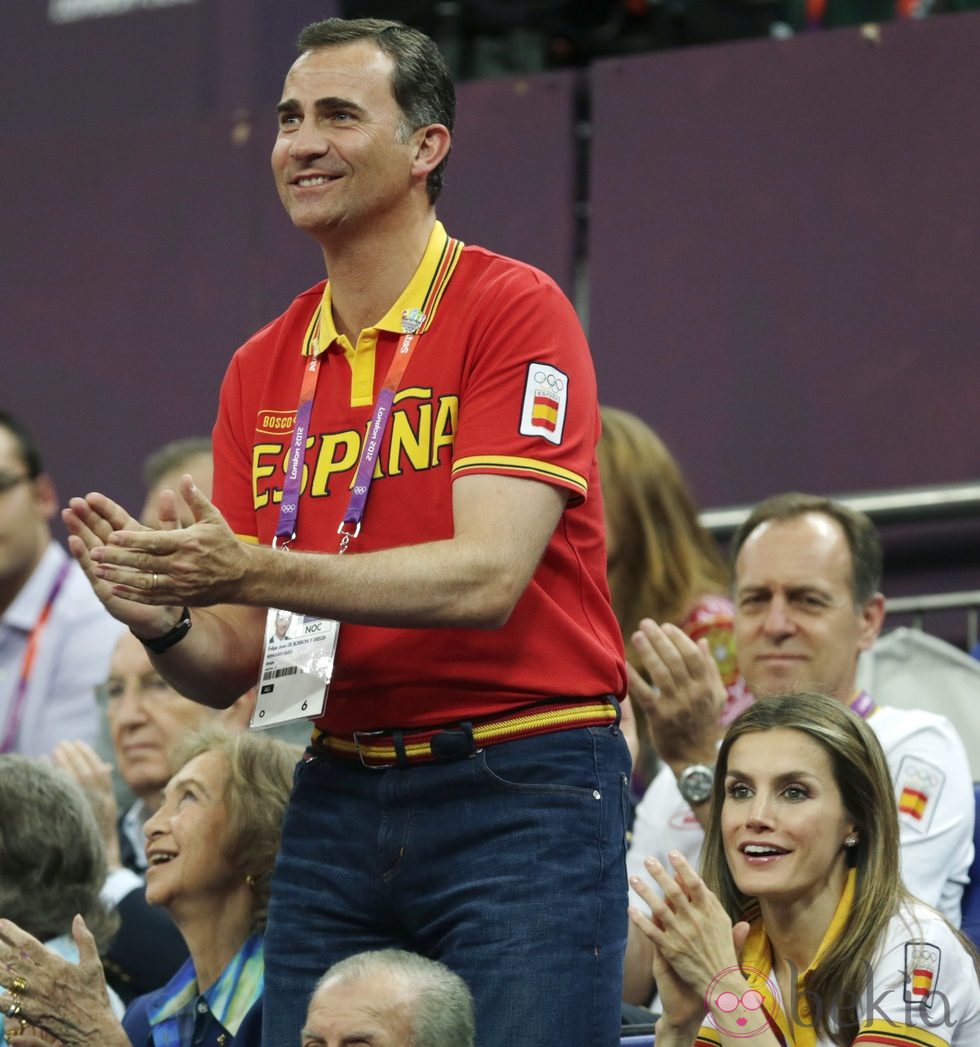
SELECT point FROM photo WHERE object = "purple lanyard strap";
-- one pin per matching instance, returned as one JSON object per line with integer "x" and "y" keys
{"x": 862, "y": 705}
{"x": 350, "y": 526}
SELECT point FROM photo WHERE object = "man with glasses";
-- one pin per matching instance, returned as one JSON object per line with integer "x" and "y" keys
{"x": 807, "y": 572}
{"x": 55, "y": 636}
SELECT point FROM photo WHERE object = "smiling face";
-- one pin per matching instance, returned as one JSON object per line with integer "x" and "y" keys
{"x": 342, "y": 154}
{"x": 370, "y": 1010}
{"x": 187, "y": 841}
{"x": 783, "y": 821}
{"x": 796, "y": 626}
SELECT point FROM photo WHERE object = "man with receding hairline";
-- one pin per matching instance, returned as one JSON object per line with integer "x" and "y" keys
{"x": 806, "y": 577}
{"x": 389, "y": 998}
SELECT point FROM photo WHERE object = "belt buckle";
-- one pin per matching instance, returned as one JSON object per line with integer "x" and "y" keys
{"x": 357, "y": 736}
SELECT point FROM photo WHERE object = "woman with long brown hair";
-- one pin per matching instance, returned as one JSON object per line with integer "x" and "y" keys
{"x": 801, "y": 933}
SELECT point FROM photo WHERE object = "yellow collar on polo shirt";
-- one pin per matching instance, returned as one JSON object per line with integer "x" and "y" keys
{"x": 423, "y": 294}
{"x": 756, "y": 964}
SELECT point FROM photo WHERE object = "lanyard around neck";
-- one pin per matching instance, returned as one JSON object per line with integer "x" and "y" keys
{"x": 350, "y": 525}
{"x": 16, "y": 713}
{"x": 862, "y": 705}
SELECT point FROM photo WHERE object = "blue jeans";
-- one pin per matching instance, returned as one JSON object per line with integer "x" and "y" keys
{"x": 507, "y": 865}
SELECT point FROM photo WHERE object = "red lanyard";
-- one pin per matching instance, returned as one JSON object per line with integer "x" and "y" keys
{"x": 289, "y": 507}
{"x": 27, "y": 664}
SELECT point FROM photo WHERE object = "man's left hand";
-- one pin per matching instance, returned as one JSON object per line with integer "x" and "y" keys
{"x": 196, "y": 566}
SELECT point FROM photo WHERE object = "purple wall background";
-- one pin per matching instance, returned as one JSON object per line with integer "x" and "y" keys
{"x": 784, "y": 253}
{"x": 144, "y": 240}
{"x": 510, "y": 184}
{"x": 785, "y": 257}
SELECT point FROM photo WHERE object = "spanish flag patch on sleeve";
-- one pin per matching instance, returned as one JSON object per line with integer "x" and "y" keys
{"x": 707, "y": 1037}
{"x": 545, "y": 399}
{"x": 919, "y": 784}
{"x": 922, "y": 961}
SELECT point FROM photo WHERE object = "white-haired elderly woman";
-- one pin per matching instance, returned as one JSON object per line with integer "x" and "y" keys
{"x": 211, "y": 847}
{"x": 52, "y": 866}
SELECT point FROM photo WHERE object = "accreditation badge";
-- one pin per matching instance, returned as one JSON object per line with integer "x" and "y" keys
{"x": 297, "y": 667}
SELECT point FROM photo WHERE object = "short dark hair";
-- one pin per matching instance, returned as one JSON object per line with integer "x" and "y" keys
{"x": 25, "y": 444}
{"x": 421, "y": 83}
{"x": 862, "y": 537}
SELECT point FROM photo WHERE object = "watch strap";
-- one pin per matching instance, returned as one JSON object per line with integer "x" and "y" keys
{"x": 159, "y": 644}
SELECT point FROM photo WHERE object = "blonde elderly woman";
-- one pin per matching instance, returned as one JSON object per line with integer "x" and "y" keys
{"x": 147, "y": 719}
{"x": 801, "y": 933}
{"x": 52, "y": 865}
{"x": 211, "y": 846}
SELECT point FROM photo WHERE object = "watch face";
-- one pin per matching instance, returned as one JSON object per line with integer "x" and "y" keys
{"x": 695, "y": 783}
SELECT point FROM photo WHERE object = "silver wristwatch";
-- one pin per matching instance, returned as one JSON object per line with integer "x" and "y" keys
{"x": 695, "y": 782}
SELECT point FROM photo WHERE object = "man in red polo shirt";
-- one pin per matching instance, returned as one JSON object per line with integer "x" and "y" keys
{"x": 430, "y": 413}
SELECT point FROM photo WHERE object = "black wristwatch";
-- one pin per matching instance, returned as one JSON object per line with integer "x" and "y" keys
{"x": 163, "y": 643}
{"x": 694, "y": 783}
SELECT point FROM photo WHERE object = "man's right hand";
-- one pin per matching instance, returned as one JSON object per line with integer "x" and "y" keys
{"x": 683, "y": 697}
{"x": 221, "y": 656}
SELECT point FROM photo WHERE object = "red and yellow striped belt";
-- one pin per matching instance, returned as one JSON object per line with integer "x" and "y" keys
{"x": 397, "y": 746}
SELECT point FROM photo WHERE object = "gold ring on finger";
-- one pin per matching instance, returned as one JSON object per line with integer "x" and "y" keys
{"x": 18, "y": 984}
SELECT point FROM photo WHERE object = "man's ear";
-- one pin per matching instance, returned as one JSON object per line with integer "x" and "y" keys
{"x": 872, "y": 619}
{"x": 432, "y": 145}
{"x": 46, "y": 495}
